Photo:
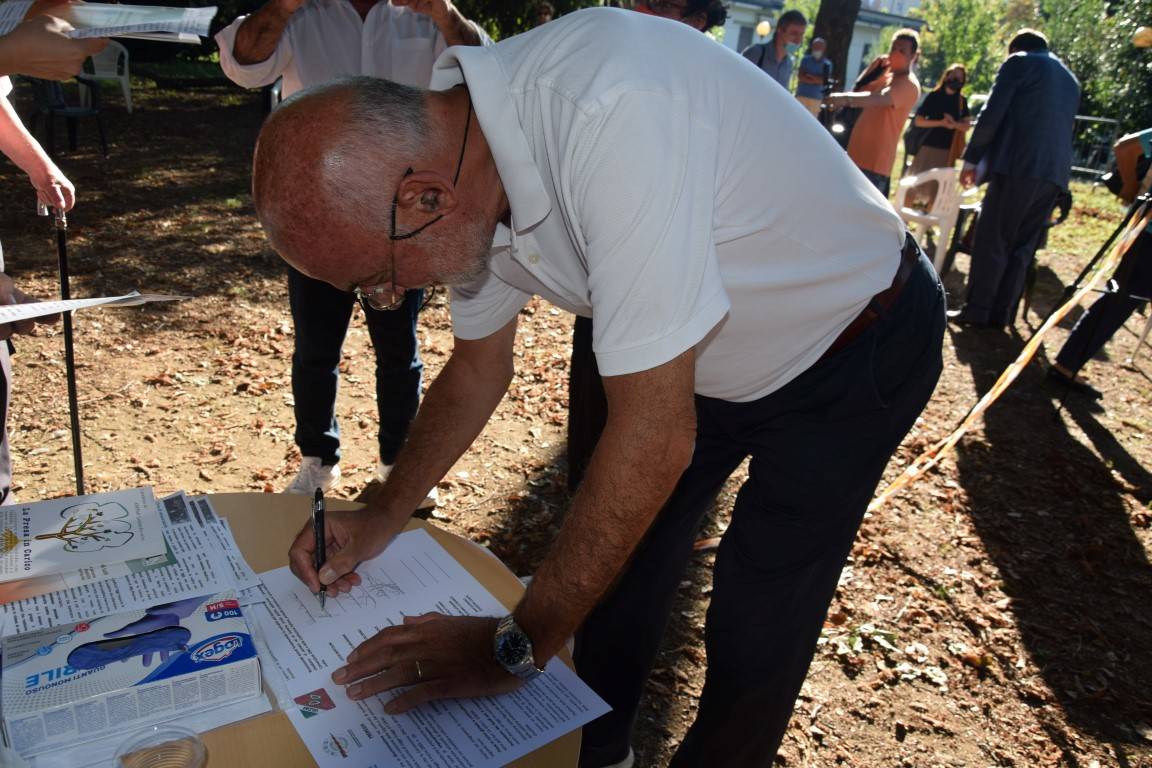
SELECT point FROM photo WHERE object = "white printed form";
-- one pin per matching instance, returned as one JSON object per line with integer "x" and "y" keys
{"x": 415, "y": 575}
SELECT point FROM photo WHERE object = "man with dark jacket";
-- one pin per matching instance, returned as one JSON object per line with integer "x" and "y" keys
{"x": 1023, "y": 143}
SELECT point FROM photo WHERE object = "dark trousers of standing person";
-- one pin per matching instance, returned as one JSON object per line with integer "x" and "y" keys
{"x": 1109, "y": 312}
{"x": 320, "y": 314}
{"x": 587, "y": 402}
{"x": 1013, "y": 216}
{"x": 819, "y": 446}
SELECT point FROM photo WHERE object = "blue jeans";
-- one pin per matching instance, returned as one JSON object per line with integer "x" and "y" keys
{"x": 320, "y": 314}
{"x": 819, "y": 447}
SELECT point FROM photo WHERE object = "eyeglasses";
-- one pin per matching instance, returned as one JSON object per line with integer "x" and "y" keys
{"x": 384, "y": 297}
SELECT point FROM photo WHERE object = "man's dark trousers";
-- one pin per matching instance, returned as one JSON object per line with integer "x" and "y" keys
{"x": 1108, "y": 313}
{"x": 1012, "y": 218}
{"x": 819, "y": 447}
{"x": 320, "y": 314}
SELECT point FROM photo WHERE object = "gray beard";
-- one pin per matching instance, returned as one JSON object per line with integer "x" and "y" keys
{"x": 462, "y": 254}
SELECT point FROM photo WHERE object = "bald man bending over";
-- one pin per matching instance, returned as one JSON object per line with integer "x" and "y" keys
{"x": 592, "y": 161}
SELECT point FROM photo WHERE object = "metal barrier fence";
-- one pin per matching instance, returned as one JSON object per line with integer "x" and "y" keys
{"x": 1092, "y": 141}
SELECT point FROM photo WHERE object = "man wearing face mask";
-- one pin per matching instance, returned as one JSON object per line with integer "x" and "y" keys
{"x": 886, "y": 101}
{"x": 775, "y": 56}
{"x": 815, "y": 71}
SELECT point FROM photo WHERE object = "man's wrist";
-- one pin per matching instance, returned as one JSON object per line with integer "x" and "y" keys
{"x": 537, "y": 627}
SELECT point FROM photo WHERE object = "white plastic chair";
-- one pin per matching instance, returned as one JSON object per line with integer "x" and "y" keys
{"x": 944, "y": 211}
{"x": 112, "y": 64}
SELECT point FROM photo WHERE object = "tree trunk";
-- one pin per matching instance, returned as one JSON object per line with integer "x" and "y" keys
{"x": 835, "y": 22}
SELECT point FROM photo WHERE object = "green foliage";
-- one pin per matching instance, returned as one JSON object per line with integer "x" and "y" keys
{"x": 504, "y": 18}
{"x": 1093, "y": 37}
{"x": 965, "y": 32}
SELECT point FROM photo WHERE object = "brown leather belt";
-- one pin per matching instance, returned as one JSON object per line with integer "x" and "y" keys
{"x": 881, "y": 302}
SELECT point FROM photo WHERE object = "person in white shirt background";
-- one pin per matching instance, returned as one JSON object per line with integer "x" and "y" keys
{"x": 37, "y": 47}
{"x": 592, "y": 161}
{"x": 307, "y": 43}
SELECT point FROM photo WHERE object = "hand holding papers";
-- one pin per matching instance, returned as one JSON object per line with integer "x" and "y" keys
{"x": 97, "y": 20}
{"x": 146, "y": 22}
{"x": 40, "y": 47}
{"x": 10, "y": 295}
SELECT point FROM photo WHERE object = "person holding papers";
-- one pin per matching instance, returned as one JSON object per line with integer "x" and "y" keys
{"x": 592, "y": 161}
{"x": 309, "y": 42}
{"x": 39, "y": 46}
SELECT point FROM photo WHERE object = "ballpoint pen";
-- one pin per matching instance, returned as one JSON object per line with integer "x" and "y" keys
{"x": 318, "y": 532}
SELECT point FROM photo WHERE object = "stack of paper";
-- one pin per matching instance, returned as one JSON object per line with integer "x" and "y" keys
{"x": 143, "y": 22}
{"x": 301, "y": 644}
{"x": 66, "y": 535}
{"x": 190, "y": 553}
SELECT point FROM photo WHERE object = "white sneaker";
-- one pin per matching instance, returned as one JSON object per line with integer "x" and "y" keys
{"x": 431, "y": 501}
{"x": 313, "y": 475}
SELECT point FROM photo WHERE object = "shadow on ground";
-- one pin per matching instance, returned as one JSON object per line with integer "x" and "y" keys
{"x": 1051, "y": 514}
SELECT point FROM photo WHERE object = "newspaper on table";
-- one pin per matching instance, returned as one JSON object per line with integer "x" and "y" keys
{"x": 221, "y": 533}
{"x": 42, "y": 585}
{"x": 11, "y": 313}
{"x": 413, "y": 576}
{"x": 65, "y": 535}
{"x": 142, "y": 22}
{"x": 199, "y": 568}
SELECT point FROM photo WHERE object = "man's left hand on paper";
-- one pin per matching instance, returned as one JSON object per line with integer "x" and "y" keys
{"x": 434, "y": 656}
{"x": 10, "y": 294}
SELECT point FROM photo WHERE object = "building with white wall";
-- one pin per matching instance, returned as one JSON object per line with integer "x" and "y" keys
{"x": 874, "y": 17}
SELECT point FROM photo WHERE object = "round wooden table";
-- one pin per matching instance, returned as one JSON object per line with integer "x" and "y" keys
{"x": 265, "y": 525}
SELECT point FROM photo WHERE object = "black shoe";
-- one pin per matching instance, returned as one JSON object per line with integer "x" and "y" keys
{"x": 1074, "y": 385}
{"x": 957, "y": 316}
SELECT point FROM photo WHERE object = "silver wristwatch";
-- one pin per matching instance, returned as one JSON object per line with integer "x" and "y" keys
{"x": 513, "y": 649}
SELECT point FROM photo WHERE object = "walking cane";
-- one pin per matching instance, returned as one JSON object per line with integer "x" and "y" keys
{"x": 69, "y": 353}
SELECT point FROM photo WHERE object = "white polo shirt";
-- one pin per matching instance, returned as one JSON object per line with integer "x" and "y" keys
{"x": 326, "y": 39}
{"x": 661, "y": 185}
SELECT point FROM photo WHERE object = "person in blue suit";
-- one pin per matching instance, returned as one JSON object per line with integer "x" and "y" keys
{"x": 1023, "y": 144}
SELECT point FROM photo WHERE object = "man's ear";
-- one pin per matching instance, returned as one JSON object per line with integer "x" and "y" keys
{"x": 427, "y": 192}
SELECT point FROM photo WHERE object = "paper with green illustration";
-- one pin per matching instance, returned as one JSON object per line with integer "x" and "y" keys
{"x": 63, "y": 535}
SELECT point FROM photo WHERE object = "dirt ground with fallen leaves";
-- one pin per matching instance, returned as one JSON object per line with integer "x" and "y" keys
{"x": 997, "y": 613}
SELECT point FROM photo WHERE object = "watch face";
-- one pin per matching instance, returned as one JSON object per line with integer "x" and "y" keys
{"x": 512, "y": 648}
